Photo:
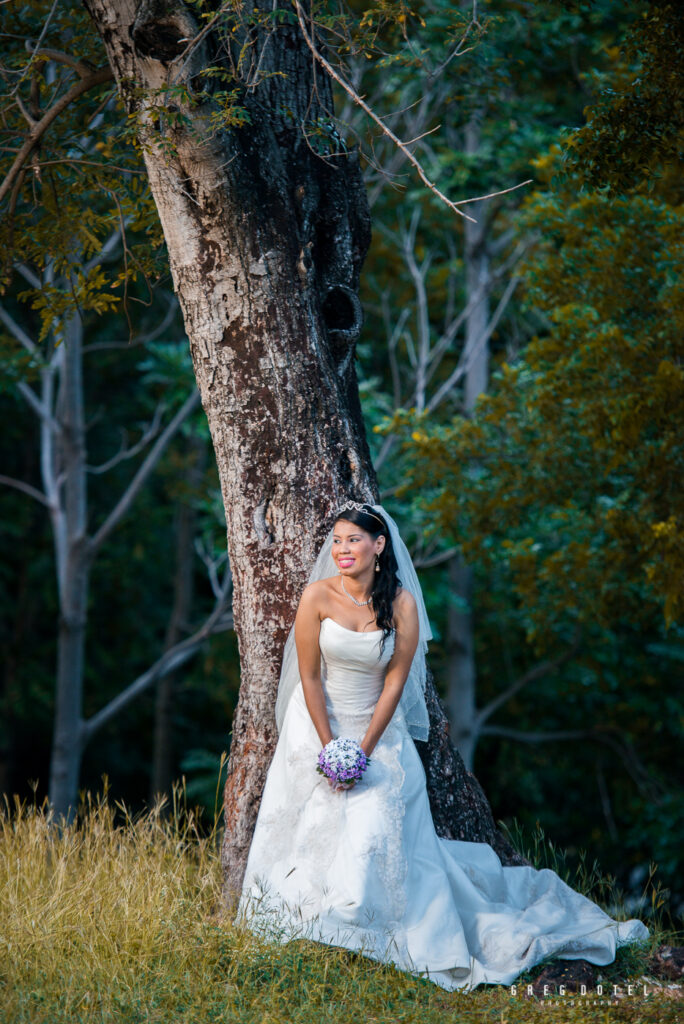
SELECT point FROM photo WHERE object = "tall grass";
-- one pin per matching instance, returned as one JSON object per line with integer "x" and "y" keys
{"x": 590, "y": 880}
{"x": 119, "y": 918}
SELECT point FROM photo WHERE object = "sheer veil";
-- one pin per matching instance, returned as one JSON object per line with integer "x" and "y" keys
{"x": 412, "y": 701}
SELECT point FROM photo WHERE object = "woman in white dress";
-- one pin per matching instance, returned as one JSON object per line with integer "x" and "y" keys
{"x": 359, "y": 864}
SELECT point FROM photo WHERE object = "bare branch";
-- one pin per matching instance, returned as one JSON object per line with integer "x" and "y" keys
{"x": 388, "y": 444}
{"x": 83, "y": 70}
{"x": 170, "y": 660}
{"x": 19, "y": 485}
{"x": 128, "y": 453}
{"x": 418, "y": 276}
{"x": 142, "y": 339}
{"x": 621, "y": 746}
{"x": 213, "y": 565}
{"x": 349, "y": 89}
{"x": 40, "y": 409}
{"x": 544, "y": 668}
{"x": 19, "y": 332}
{"x": 467, "y": 359}
{"x": 16, "y": 98}
{"x": 28, "y": 275}
{"x": 153, "y": 457}
{"x": 43, "y": 33}
{"x": 97, "y": 78}
{"x": 429, "y": 561}
{"x": 452, "y": 330}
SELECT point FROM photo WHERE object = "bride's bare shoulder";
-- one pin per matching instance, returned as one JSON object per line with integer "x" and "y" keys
{"x": 319, "y": 590}
{"x": 404, "y": 605}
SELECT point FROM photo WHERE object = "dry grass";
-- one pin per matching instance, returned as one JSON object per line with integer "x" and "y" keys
{"x": 116, "y": 918}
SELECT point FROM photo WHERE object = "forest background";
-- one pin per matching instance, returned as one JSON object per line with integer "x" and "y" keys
{"x": 545, "y": 515}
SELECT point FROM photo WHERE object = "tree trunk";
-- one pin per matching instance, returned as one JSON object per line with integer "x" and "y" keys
{"x": 73, "y": 575}
{"x": 478, "y": 282}
{"x": 460, "y": 809}
{"x": 461, "y": 667}
{"x": 266, "y": 239}
{"x": 184, "y": 533}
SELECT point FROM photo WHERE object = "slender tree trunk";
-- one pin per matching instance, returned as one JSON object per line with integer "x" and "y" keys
{"x": 73, "y": 574}
{"x": 461, "y": 667}
{"x": 184, "y": 532}
{"x": 266, "y": 239}
{"x": 460, "y": 664}
{"x": 478, "y": 282}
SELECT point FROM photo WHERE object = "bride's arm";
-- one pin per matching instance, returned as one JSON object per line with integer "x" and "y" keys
{"x": 307, "y": 630}
{"x": 406, "y": 634}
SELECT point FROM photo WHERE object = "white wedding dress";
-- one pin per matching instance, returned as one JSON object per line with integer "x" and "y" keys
{"x": 364, "y": 868}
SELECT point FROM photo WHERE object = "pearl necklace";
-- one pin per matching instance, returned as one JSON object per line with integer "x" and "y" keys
{"x": 359, "y": 604}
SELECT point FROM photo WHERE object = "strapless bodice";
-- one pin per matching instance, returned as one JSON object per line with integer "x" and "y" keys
{"x": 353, "y": 668}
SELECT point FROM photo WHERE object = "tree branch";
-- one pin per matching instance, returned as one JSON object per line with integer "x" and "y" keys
{"x": 82, "y": 69}
{"x": 635, "y": 768}
{"x": 142, "y": 339}
{"x": 128, "y": 453}
{"x": 40, "y": 409}
{"x": 153, "y": 457}
{"x": 544, "y": 668}
{"x": 212, "y": 566}
{"x": 43, "y": 33}
{"x": 429, "y": 561}
{"x": 170, "y": 660}
{"x": 28, "y": 275}
{"x": 97, "y": 78}
{"x": 463, "y": 366}
{"x": 18, "y": 332}
{"x": 349, "y": 89}
{"x": 19, "y": 485}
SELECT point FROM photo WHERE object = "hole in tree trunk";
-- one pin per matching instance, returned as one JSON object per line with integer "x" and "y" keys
{"x": 158, "y": 40}
{"x": 342, "y": 313}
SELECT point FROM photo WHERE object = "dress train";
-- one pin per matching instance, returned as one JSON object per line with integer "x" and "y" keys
{"x": 365, "y": 870}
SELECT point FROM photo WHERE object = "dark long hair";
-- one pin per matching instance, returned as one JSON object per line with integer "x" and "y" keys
{"x": 385, "y": 582}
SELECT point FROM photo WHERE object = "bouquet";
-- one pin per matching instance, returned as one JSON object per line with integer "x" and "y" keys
{"x": 343, "y": 761}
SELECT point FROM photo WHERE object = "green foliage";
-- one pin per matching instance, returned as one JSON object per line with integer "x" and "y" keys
{"x": 121, "y": 917}
{"x": 571, "y": 473}
{"x": 84, "y": 180}
{"x": 634, "y": 135}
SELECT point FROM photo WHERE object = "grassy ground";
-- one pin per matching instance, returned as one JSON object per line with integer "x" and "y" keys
{"x": 116, "y": 919}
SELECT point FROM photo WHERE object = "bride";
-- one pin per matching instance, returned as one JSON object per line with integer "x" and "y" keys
{"x": 356, "y": 862}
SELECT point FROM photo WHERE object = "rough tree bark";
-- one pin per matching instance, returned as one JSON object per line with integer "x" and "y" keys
{"x": 266, "y": 240}
{"x": 460, "y": 664}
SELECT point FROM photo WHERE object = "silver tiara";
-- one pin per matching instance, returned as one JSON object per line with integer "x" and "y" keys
{"x": 360, "y": 508}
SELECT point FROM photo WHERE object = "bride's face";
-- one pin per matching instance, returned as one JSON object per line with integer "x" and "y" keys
{"x": 354, "y": 549}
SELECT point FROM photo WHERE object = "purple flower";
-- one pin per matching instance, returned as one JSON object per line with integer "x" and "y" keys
{"x": 342, "y": 760}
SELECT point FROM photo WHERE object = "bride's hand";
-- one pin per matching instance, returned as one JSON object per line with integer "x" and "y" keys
{"x": 341, "y": 785}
